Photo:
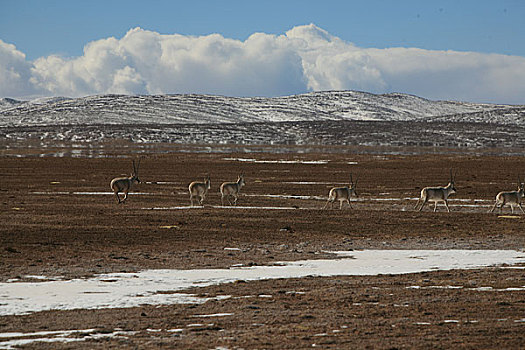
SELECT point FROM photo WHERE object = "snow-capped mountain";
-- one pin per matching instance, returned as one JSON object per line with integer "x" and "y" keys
{"x": 205, "y": 109}
{"x": 7, "y": 103}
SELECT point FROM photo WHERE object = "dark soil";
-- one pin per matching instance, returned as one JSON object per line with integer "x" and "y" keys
{"x": 47, "y": 229}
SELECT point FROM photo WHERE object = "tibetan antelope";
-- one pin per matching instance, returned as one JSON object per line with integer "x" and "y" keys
{"x": 198, "y": 190}
{"x": 123, "y": 184}
{"x": 342, "y": 194}
{"x": 232, "y": 189}
{"x": 511, "y": 198}
{"x": 437, "y": 194}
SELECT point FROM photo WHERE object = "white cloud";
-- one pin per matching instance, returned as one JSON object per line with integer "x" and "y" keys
{"x": 306, "y": 58}
{"x": 15, "y": 72}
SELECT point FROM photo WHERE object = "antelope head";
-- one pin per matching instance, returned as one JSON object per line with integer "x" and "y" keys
{"x": 353, "y": 185}
{"x": 135, "y": 174}
{"x": 207, "y": 181}
{"x": 240, "y": 180}
{"x": 452, "y": 183}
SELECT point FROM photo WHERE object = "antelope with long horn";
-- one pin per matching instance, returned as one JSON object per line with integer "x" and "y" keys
{"x": 342, "y": 194}
{"x": 437, "y": 194}
{"x": 124, "y": 184}
{"x": 198, "y": 190}
{"x": 231, "y": 190}
{"x": 511, "y": 198}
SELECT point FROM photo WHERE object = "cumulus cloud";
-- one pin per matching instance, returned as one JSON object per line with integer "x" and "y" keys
{"x": 306, "y": 58}
{"x": 15, "y": 72}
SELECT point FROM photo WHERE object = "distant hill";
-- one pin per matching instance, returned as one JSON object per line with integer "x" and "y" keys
{"x": 7, "y": 103}
{"x": 205, "y": 109}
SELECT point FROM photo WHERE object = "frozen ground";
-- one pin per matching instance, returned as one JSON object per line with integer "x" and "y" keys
{"x": 47, "y": 244}
{"x": 156, "y": 287}
{"x": 305, "y": 134}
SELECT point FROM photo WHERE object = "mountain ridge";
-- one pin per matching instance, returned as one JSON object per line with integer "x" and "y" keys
{"x": 113, "y": 109}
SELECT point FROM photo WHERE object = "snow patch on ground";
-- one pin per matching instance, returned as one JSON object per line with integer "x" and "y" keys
{"x": 163, "y": 287}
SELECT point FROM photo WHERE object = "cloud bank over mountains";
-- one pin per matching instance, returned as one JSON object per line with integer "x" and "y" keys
{"x": 305, "y": 58}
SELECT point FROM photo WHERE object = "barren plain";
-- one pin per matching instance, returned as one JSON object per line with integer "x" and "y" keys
{"x": 59, "y": 220}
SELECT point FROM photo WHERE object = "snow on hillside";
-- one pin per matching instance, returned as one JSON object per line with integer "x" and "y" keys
{"x": 200, "y": 109}
{"x": 6, "y": 103}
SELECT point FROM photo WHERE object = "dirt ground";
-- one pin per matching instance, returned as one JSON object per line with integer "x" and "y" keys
{"x": 55, "y": 222}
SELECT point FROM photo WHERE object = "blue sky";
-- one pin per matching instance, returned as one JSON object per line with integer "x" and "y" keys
{"x": 39, "y": 29}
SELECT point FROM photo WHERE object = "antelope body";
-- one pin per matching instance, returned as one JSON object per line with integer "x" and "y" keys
{"x": 231, "y": 190}
{"x": 124, "y": 184}
{"x": 342, "y": 194}
{"x": 198, "y": 190}
{"x": 511, "y": 198}
{"x": 437, "y": 194}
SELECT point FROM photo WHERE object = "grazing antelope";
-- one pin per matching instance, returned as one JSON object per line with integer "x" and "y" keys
{"x": 437, "y": 194}
{"x": 511, "y": 198}
{"x": 199, "y": 190}
{"x": 342, "y": 194}
{"x": 232, "y": 189}
{"x": 123, "y": 184}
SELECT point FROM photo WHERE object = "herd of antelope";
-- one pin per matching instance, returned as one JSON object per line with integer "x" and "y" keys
{"x": 230, "y": 191}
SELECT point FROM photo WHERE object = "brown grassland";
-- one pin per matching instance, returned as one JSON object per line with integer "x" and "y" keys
{"x": 47, "y": 229}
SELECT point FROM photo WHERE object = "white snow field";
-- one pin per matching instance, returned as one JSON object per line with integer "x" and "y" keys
{"x": 117, "y": 290}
